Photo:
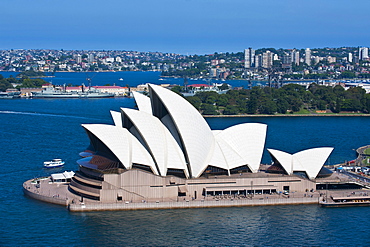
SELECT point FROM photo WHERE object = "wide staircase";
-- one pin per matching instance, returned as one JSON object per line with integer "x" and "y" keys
{"x": 85, "y": 186}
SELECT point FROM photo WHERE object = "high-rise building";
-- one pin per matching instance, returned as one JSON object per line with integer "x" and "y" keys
{"x": 258, "y": 61}
{"x": 350, "y": 57}
{"x": 286, "y": 59}
{"x": 295, "y": 56}
{"x": 90, "y": 58}
{"x": 307, "y": 58}
{"x": 249, "y": 58}
{"x": 363, "y": 53}
{"x": 78, "y": 59}
{"x": 267, "y": 59}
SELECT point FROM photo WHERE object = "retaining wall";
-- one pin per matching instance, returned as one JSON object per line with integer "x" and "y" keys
{"x": 43, "y": 198}
{"x": 191, "y": 204}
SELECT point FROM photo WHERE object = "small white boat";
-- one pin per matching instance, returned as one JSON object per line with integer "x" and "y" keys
{"x": 54, "y": 163}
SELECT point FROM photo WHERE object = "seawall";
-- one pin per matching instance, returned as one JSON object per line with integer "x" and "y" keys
{"x": 190, "y": 204}
{"x": 44, "y": 198}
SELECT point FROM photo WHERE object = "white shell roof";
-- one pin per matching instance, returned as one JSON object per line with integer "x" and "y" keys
{"x": 165, "y": 150}
{"x": 196, "y": 135}
{"x": 247, "y": 141}
{"x": 175, "y": 157}
{"x": 310, "y": 161}
{"x": 117, "y": 118}
{"x": 181, "y": 136}
{"x": 230, "y": 158}
{"x": 285, "y": 159}
{"x": 143, "y": 102}
{"x": 124, "y": 145}
{"x": 216, "y": 132}
{"x": 218, "y": 158}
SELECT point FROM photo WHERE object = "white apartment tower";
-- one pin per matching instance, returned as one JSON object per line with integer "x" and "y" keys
{"x": 267, "y": 59}
{"x": 90, "y": 58}
{"x": 249, "y": 58}
{"x": 350, "y": 57}
{"x": 295, "y": 56}
{"x": 307, "y": 58}
{"x": 78, "y": 59}
{"x": 363, "y": 53}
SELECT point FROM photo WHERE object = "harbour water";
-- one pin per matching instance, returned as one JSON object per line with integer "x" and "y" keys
{"x": 123, "y": 78}
{"x": 35, "y": 130}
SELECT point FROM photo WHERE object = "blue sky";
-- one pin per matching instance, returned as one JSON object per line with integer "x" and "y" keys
{"x": 183, "y": 26}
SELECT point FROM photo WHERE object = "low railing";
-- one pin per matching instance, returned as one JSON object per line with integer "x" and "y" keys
{"x": 192, "y": 204}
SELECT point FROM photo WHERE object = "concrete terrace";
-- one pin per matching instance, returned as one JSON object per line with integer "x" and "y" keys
{"x": 43, "y": 189}
{"x": 57, "y": 193}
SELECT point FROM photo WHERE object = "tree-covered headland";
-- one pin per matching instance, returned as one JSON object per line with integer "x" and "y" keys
{"x": 22, "y": 82}
{"x": 289, "y": 99}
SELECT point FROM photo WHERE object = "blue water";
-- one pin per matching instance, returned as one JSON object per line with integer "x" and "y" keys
{"x": 35, "y": 130}
{"x": 131, "y": 78}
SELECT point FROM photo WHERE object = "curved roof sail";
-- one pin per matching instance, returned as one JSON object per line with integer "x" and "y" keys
{"x": 196, "y": 137}
{"x": 309, "y": 161}
{"x": 248, "y": 141}
{"x": 168, "y": 134}
{"x": 162, "y": 146}
{"x": 284, "y": 159}
{"x": 312, "y": 160}
{"x": 117, "y": 118}
{"x": 143, "y": 102}
{"x": 122, "y": 144}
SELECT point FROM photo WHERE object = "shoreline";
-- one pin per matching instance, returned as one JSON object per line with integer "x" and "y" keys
{"x": 179, "y": 77}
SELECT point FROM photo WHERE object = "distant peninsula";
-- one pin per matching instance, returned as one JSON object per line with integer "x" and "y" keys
{"x": 31, "y": 73}
{"x": 290, "y": 99}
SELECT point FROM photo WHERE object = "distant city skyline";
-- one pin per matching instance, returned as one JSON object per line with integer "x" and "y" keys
{"x": 183, "y": 26}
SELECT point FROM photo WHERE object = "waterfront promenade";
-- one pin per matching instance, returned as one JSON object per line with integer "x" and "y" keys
{"x": 44, "y": 190}
{"x": 262, "y": 201}
{"x": 57, "y": 193}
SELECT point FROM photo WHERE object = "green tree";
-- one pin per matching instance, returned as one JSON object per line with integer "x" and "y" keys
{"x": 195, "y": 101}
{"x": 367, "y": 103}
{"x": 347, "y": 74}
{"x": 268, "y": 106}
{"x": 282, "y": 105}
{"x": 4, "y": 85}
{"x": 222, "y": 100}
{"x": 209, "y": 109}
{"x": 231, "y": 110}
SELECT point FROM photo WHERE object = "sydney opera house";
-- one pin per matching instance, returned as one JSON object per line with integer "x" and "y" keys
{"x": 165, "y": 150}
